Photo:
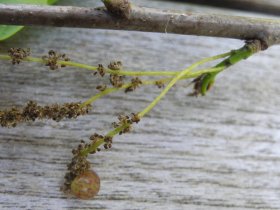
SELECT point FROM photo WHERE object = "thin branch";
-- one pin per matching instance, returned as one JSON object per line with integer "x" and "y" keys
{"x": 261, "y": 6}
{"x": 145, "y": 19}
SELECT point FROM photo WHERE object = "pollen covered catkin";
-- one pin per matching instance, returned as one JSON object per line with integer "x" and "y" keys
{"x": 32, "y": 111}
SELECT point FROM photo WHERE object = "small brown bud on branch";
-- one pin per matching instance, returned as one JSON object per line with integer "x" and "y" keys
{"x": 118, "y": 8}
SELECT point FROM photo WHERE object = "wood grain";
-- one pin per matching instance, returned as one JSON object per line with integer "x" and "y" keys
{"x": 215, "y": 152}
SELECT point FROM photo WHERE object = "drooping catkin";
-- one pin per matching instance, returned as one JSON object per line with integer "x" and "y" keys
{"x": 32, "y": 111}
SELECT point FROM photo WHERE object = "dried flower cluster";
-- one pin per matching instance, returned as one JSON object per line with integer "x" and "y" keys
{"x": 100, "y": 70}
{"x": 80, "y": 180}
{"x": 79, "y": 163}
{"x": 53, "y": 58}
{"x": 116, "y": 80}
{"x": 33, "y": 111}
{"x": 115, "y": 65}
{"x": 101, "y": 87}
{"x": 108, "y": 140}
{"x": 18, "y": 54}
{"x": 126, "y": 122}
{"x": 135, "y": 83}
{"x": 159, "y": 84}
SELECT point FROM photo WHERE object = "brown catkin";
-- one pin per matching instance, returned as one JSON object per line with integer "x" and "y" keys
{"x": 18, "y": 54}
{"x": 53, "y": 58}
{"x": 33, "y": 111}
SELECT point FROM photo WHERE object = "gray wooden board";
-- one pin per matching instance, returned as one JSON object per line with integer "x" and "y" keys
{"x": 215, "y": 152}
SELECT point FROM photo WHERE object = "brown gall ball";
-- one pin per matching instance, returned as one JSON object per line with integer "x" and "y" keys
{"x": 86, "y": 185}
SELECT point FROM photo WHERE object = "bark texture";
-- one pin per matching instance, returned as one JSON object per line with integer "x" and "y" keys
{"x": 119, "y": 8}
{"x": 145, "y": 19}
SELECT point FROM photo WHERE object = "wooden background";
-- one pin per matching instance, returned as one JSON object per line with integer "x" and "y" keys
{"x": 221, "y": 151}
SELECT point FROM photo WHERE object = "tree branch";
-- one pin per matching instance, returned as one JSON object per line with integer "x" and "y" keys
{"x": 145, "y": 19}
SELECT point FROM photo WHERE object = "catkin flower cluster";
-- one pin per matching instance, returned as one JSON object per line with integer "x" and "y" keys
{"x": 53, "y": 58}
{"x": 32, "y": 111}
{"x": 18, "y": 54}
{"x": 79, "y": 163}
{"x": 80, "y": 179}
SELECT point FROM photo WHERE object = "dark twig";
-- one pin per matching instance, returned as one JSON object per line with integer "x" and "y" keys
{"x": 144, "y": 19}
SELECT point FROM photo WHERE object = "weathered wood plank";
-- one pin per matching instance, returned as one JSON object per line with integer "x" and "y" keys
{"x": 215, "y": 152}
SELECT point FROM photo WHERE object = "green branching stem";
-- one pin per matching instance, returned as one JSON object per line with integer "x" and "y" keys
{"x": 206, "y": 77}
{"x": 109, "y": 71}
{"x": 235, "y": 56}
{"x": 100, "y": 141}
{"x": 184, "y": 74}
{"x": 179, "y": 76}
{"x": 149, "y": 82}
{"x": 248, "y": 50}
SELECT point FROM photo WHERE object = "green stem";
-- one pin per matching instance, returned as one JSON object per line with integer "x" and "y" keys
{"x": 184, "y": 74}
{"x": 147, "y": 82}
{"x": 99, "y": 142}
{"x": 101, "y": 94}
{"x": 235, "y": 56}
{"x": 119, "y": 72}
{"x": 179, "y": 76}
{"x": 248, "y": 50}
{"x": 165, "y": 90}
